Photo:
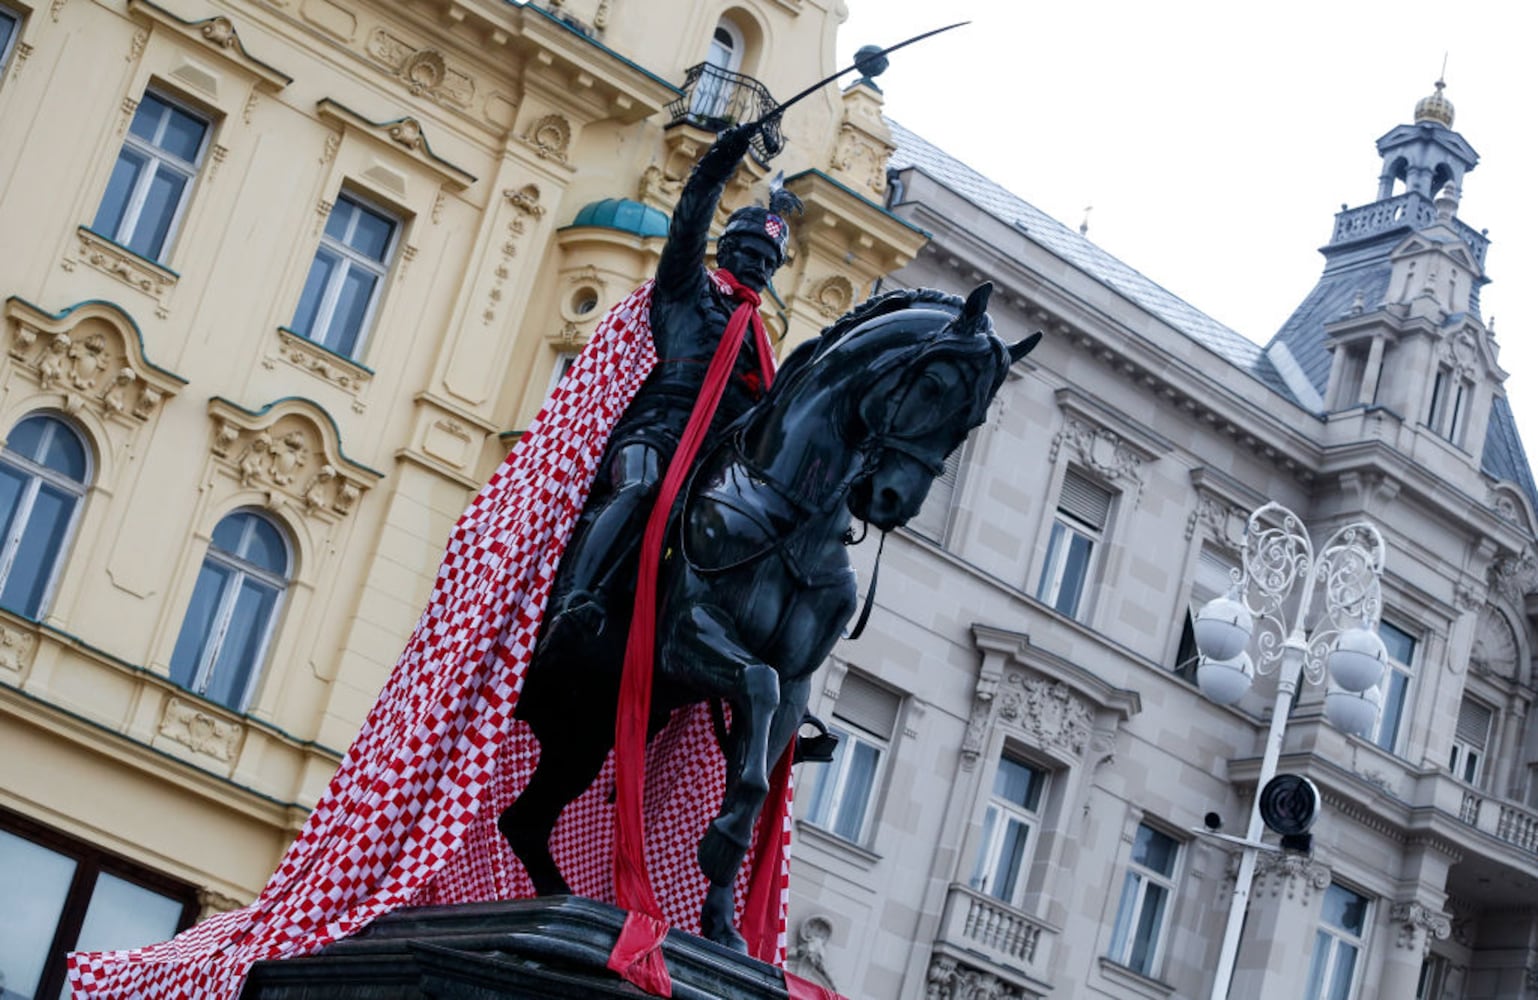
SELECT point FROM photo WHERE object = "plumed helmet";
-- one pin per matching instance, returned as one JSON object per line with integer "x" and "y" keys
{"x": 766, "y": 223}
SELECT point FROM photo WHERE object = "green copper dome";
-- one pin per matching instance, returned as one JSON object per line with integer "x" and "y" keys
{"x": 625, "y": 215}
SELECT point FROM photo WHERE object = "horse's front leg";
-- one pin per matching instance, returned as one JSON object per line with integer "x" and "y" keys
{"x": 702, "y": 651}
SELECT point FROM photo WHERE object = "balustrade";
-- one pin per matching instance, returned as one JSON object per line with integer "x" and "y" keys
{"x": 1005, "y": 935}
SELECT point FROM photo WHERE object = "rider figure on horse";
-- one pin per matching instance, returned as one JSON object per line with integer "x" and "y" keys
{"x": 690, "y": 310}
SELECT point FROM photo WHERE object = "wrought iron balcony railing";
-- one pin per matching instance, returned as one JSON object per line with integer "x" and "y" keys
{"x": 716, "y": 99}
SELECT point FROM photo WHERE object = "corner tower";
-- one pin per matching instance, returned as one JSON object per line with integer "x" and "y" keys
{"x": 1393, "y": 327}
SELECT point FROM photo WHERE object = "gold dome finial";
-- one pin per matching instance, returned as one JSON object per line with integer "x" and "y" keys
{"x": 1435, "y": 108}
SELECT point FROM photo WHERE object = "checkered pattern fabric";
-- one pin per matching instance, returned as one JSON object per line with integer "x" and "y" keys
{"x": 409, "y": 819}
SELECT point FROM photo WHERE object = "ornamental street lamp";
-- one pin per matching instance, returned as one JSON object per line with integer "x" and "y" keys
{"x": 1341, "y": 645}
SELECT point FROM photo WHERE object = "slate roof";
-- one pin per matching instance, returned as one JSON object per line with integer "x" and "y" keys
{"x": 913, "y": 151}
{"x": 1503, "y": 456}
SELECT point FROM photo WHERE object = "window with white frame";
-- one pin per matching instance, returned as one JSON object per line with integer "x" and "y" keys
{"x": 841, "y": 794}
{"x": 713, "y": 91}
{"x": 346, "y": 279}
{"x": 234, "y": 606}
{"x": 1083, "y": 509}
{"x": 1332, "y": 970}
{"x": 1137, "y": 939}
{"x": 934, "y": 517}
{"x": 1396, "y": 685}
{"x": 1450, "y": 397}
{"x": 10, "y": 27}
{"x": 1470, "y": 740}
{"x": 44, "y": 469}
{"x": 1010, "y": 824}
{"x": 152, "y": 179}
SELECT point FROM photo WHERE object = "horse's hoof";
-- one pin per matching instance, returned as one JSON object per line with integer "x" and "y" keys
{"x": 716, "y": 920}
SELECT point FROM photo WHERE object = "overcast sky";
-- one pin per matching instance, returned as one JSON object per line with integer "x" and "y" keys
{"x": 1215, "y": 141}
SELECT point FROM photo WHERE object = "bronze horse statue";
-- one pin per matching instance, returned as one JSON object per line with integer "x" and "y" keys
{"x": 857, "y": 425}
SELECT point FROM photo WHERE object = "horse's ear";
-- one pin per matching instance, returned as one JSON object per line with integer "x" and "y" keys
{"x": 1024, "y": 347}
{"x": 977, "y": 304}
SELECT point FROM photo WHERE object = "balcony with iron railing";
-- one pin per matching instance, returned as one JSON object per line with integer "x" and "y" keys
{"x": 716, "y": 99}
{"x": 1009, "y": 940}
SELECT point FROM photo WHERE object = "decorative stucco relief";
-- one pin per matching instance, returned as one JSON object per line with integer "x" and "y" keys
{"x": 549, "y": 137}
{"x": 1495, "y": 646}
{"x": 137, "y": 272}
{"x": 1513, "y": 577}
{"x": 192, "y": 727}
{"x": 809, "y": 957}
{"x": 833, "y": 296}
{"x": 1295, "y": 877}
{"x": 1418, "y": 926}
{"x": 526, "y": 207}
{"x": 1048, "y": 713}
{"x": 91, "y": 357}
{"x": 1101, "y": 450}
{"x": 16, "y": 650}
{"x": 1221, "y": 522}
{"x": 289, "y": 452}
{"x": 949, "y": 979}
{"x": 423, "y": 70}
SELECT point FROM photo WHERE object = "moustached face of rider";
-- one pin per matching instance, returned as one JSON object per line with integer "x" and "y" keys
{"x": 751, "y": 260}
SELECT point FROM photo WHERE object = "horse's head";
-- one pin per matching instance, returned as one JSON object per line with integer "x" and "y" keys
{"x": 925, "y": 399}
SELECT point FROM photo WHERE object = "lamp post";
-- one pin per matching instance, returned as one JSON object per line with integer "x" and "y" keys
{"x": 1342, "y": 644}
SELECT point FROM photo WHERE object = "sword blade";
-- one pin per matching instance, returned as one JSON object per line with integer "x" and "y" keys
{"x": 850, "y": 68}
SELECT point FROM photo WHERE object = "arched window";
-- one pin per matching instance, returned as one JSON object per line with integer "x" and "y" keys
{"x": 234, "y": 605}
{"x": 43, "y": 474}
{"x": 713, "y": 93}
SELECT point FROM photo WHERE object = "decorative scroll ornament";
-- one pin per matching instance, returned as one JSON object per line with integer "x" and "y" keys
{"x": 1418, "y": 926}
{"x": 15, "y": 649}
{"x": 1048, "y": 712}
{"x": 550, "y": 136}
{"x": 1295, "y": 877}
{"x": 1278, "y": 555}
{"x": 286, "y": 452}
{"x": 1495, "y": 646}
{"x": 1100, "y": 450}
{"x": 92, "y": 357}
{"x": 1223, "y": 522}
{"x": 833, "y": 295}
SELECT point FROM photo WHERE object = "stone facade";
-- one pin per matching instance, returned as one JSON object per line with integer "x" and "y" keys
{"x": 1149, "y": 432}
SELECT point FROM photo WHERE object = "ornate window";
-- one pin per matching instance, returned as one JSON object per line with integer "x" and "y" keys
{"x": 1332, "y": 971}
{"x": 63, "y": 895}
{"x": 150, "y": 183}
{"x": 1396, "y": 685}
{"x": 1470, "y": 741}
{"x": 1009, "y": 826}
{"x": 1083, "y": 509}
{"x": 1137, "y": 940}
{"x": 234, "y": 605}
{"x": 44, "y": 469}
{"x": 10, "y": 27}
{"x": 347, "y": 276}
{"x": 841, "y": 794}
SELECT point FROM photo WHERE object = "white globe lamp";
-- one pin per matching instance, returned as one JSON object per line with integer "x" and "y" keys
{"x": 1223, "y": 628}
{"x": 1358, "y": 660}
{"x": 1354, "y": 712}
{"x": 1225, "y": 681}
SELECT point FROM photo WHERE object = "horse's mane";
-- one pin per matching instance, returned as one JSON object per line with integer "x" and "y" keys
{"x": 888, "y": 302}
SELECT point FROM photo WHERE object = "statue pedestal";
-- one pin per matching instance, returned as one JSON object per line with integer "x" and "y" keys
{"x": 531, "y": 949}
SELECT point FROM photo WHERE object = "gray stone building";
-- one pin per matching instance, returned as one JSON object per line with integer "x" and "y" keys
{"x": 1012, "y": 813}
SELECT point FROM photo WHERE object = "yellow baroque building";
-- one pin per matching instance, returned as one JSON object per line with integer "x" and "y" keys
{"x": 281, "y": 281}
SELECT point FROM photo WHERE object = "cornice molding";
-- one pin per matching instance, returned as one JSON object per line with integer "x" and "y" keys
{"x": 403, "y": 136}
{"x": 216, "y": 36}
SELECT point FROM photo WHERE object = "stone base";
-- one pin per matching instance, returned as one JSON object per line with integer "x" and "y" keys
{"x": 556, "y": 947}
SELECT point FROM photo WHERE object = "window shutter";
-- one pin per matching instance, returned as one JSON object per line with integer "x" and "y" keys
{"x": 1213, "y": 577}
{"x": 1474, "y": 724}
{"x": 872, "y": 708}
{"x": 1084, "y": 500}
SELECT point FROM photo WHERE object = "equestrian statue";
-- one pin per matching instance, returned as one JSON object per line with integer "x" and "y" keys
{"x": 752, "y": 580}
